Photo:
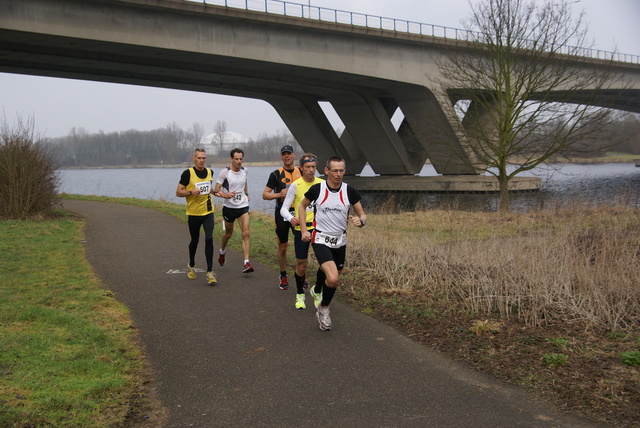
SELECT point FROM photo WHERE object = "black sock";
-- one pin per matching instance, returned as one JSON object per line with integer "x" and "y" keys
{"x": 320, "y": 279}
{"x": 283, "y": 274}
{"x": 299, "y": 284}
{"x": 327, "y": 295}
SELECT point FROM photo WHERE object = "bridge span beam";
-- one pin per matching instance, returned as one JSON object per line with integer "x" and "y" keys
{"x": 292, "y": 63}
{"x": 206, "y": 51}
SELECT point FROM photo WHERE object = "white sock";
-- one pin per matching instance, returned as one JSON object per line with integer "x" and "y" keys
{"x": 246, "y": 261}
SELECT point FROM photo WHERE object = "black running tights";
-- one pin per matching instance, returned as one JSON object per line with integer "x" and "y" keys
{"x": 206, "y": 222}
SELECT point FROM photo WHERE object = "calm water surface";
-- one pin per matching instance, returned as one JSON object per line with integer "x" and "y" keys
{"x": 599, "y": 183}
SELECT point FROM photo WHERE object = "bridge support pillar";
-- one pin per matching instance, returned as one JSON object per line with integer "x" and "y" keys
{"x": 313, "y": 131}
{"x": 368, "y": 122}
{"x": 432, "y": 123}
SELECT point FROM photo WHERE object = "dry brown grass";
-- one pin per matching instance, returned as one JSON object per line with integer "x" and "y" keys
{"x": 575, "y": 265}
{"x": 510, "y": 293}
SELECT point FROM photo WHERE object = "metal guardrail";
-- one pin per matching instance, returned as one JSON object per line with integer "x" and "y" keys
{"x": 336, "y": 16}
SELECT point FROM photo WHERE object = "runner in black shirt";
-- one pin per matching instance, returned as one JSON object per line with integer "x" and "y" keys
{"x": 276, "y": 188}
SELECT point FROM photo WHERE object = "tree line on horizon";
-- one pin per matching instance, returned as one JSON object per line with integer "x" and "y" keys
{"x": 625, "y": 134}
{"x": 621, "y": 135}
{"x": 169, "y": 145}
{"x": 173, "y": 145}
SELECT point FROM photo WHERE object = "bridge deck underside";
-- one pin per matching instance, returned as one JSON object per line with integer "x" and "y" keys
{"x": 189, "y": 46}
{"x": 362, "y": 103}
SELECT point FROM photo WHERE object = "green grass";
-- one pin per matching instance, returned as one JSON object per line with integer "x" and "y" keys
{"x": 606, "y": 158}
{"x": 176, "y": 210}
{"x": 67, "y": 354}
{"x": 555, "y": 360}
{"x": 559, "y": 342}
{"x": 630, "y": 358}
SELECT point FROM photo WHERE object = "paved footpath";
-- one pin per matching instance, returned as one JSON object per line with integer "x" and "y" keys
{"x": 239, "y": 354}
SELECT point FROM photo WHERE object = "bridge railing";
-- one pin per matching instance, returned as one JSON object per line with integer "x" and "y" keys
{"x": 337, "y": 16}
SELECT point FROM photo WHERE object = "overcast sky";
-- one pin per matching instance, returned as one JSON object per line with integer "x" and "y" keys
{"x": 61, "y": 104}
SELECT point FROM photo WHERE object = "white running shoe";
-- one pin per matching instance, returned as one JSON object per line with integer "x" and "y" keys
{"x": 324, "y": 318}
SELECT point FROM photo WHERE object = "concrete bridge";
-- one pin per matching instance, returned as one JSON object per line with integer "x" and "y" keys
{"x": 367, "y": 74}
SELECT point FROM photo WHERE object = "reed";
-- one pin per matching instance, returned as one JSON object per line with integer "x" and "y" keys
{"x": 577, "y": 263}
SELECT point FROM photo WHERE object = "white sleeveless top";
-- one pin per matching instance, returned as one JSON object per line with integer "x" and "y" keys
{"x": 233, "y": 181}
{"x": 332, "y": 209}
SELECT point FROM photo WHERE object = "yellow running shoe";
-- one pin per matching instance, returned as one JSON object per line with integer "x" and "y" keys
{"x": 211, "y": 278}
{"x": 190, "y": 272}
{"x": 317, "y": 297}
{"x": 300, "y": 301}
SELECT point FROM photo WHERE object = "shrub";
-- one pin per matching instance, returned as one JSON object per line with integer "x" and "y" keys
{"x": 631, "y": 358}
{"x": 559, "y": 342}
{"x": 554, "y": 360}
{"x": 28, "y": 179}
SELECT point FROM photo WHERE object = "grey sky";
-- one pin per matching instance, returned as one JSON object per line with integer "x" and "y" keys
{"x": 61, "y": 104}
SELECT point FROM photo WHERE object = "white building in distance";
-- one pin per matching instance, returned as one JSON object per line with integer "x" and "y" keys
{"x": 231, "y": 140}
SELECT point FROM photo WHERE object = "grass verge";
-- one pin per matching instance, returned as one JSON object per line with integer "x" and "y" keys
{"x": 68, "y": 355}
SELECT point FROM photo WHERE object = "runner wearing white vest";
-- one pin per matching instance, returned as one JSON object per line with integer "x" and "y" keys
{"x": 232, "y": 186}
{"x": 333, "y": 200}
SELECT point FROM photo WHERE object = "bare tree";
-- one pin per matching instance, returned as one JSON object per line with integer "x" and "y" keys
{"x": 519, "y": 72}
{"x": 624, "y": 133}
{"x": 28, "y": 180}
{"x": 195, "y": 134}
{"x": 220, "y": 133}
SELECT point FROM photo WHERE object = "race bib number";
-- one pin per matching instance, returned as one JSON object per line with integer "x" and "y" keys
{"x": 331, "y": 241}
{"x": 238, "y": 197}
{"x": 204, "y": 186}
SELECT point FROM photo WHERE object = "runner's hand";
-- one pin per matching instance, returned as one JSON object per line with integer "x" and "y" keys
{"x": 357, "y": 221}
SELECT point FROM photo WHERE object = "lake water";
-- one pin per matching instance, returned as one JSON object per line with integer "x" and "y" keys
{"x": 599, "y": 183}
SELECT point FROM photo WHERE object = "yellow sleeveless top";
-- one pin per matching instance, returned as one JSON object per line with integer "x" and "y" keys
{"x": 202, "y": 204}
{"x": 301, "y": 188}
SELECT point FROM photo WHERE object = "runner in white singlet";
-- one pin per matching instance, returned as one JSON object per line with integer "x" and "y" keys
{"x": 333, "y": 200}
{"x": 232, "y": 186}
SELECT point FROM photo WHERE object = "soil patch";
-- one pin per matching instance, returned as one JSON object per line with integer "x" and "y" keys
{"x": 580, "y": 371}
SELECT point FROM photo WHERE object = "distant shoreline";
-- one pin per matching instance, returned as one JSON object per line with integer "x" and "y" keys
{"x": 611, "y": 158}
{"x": 168, "y": 166}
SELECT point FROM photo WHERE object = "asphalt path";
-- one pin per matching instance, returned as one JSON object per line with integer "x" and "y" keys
{"x": 238, "y": 354}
